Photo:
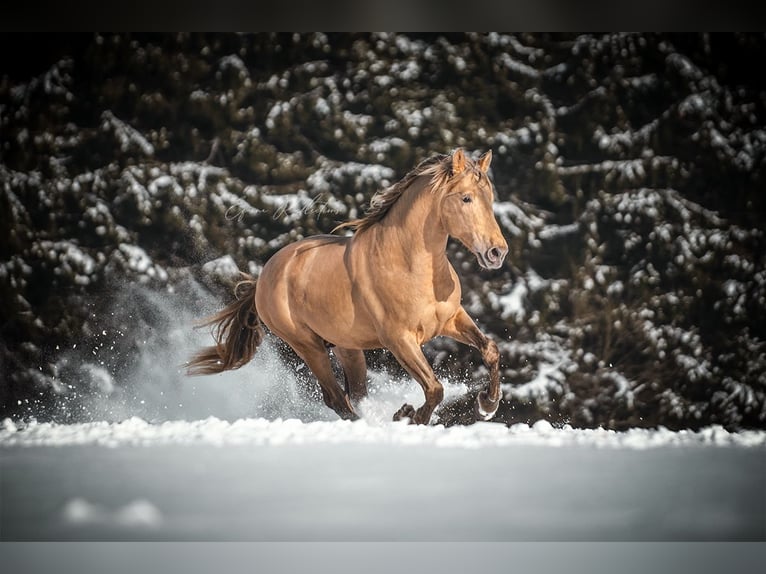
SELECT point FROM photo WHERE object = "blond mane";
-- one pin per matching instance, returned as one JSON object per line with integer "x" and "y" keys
{"x": 439, "y": 167}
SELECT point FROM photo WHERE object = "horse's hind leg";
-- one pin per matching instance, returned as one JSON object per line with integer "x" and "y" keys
{"x": 315, "y": 356}
{"x": 354, "y": 371}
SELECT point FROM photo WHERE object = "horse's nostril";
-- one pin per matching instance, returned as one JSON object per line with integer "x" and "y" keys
{"x": 492, "y": 257}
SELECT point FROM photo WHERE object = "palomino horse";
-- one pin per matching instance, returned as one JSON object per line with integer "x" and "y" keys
{"x": 389, "y": 285}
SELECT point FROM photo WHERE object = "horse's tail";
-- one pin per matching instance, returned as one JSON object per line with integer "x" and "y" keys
{"x": 237, "y": 330}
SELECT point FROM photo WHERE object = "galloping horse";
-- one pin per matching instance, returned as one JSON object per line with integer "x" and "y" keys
{"x": 389, "y": 285}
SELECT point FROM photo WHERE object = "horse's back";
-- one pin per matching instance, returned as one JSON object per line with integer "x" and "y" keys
{"x": 298, "y": 266}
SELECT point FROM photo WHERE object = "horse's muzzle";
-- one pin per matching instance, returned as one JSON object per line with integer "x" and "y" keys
{"x": 492, "y": 258}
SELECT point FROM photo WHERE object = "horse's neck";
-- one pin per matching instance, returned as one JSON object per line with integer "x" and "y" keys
{"x": 412, "y": 233}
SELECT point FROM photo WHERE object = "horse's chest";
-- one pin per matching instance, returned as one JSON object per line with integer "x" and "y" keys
{"x": 419, "y": 303}
{"x": 430, "y": 319}
{"x": 438, "y": 308}
{"x": 444, "y": 311}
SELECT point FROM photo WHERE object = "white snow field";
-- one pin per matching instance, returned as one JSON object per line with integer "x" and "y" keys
{"x": 262, "y": 480}
{"x": 247, "y": 455}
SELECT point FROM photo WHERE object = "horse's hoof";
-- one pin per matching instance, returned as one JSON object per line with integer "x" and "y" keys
{"x": 407, "y": 411}
{"x": 485, "y": 407}
{"x": 348, "y": 413}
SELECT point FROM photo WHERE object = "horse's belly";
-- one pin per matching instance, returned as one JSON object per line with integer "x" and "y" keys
{"x": 345, "y": 324}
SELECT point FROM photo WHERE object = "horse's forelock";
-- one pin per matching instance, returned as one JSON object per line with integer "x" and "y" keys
{"x": 442, "y": 177}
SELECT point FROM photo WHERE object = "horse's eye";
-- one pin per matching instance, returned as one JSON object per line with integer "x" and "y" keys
{"x": 467, "y": 199}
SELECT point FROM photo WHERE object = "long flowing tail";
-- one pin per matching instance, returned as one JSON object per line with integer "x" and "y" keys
{"x": 237, "y": 331}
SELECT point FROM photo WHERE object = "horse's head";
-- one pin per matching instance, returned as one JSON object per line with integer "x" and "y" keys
{"x": 466, "y": 210}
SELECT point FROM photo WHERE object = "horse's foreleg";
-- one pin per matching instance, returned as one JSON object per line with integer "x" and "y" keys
{"x": 408, "y": 353}
{"x": 462, "y": 328}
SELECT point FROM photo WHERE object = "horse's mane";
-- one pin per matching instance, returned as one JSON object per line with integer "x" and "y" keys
{"x": 439, "y": 167}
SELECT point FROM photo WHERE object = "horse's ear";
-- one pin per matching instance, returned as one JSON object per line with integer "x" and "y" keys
{"x": 485, "y": 160}
{"x": 458, "y": 161}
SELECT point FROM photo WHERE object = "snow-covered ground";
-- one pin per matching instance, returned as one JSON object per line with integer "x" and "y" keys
{"x": 253, "y": 455}
{"x": 258, "y": 479}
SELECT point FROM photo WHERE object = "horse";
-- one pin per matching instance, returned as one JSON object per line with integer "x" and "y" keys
{"x": 388, "y": 285}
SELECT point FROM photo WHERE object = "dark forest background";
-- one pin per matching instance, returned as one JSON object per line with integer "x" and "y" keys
{"x": 629, "y": 170}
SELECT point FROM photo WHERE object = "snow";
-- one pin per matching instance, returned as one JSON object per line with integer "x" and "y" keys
{"x": 127, "y": 135}
{"x": 549, "y": 378}
{"x": 213, "y": 431}
{"x": 224, "y": 268}
{"x": 99, "y": 378}
{"x": 138, "y": 514}
{"x": 137, "y": 260}
{"x": 259, "y": 479}
{"x": 625, "y": 139}
{"x": 235, "y": 62}
{"x": 555, "y": 231}
{"x": 519, "y": 67}
{"x": 514, "y": 219}
{"x": 69, "y": 258}
{"x": 249, "y": 455}
{"x": 510, "y": 305}
{"x": 324, "y": 184}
